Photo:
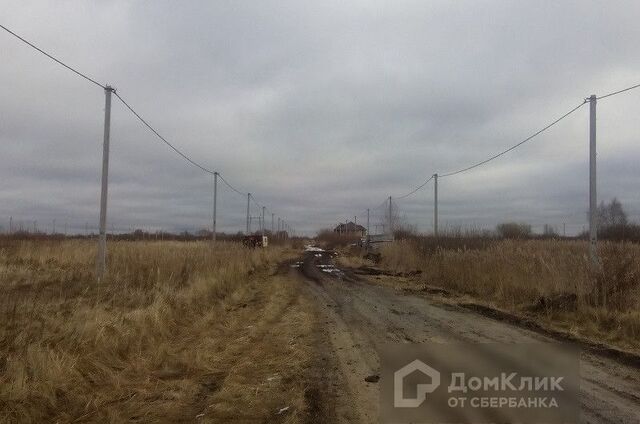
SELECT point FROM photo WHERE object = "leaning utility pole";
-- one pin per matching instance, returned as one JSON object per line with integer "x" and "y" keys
{"x": 435, "y": 205}
{"x": 215, "y": 200}
{"x": 248, "y": 200}
{"x": 593, "y": 201}
{"x": 101, "y": 262}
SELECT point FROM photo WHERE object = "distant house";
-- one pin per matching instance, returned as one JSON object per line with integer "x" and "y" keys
{"x": 350, "y": 228}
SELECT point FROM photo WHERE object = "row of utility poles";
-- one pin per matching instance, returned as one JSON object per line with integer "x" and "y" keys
{"x": 283, "y": 226}
{"x": 593, "y": 202}
{"x": 101, "y": 262}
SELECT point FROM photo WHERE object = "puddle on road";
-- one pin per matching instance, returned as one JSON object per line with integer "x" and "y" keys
{"x": 310, "y": 248}
{"x": 328, "y": 268}
{"x": 331, "y": 269}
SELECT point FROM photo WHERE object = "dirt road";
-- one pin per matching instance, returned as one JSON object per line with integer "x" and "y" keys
{"x": 360, "y": 316}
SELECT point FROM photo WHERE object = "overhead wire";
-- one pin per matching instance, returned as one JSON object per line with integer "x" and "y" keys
{"x": 230, "y": 186}
{"x": 205, "y": 169}
{"x": 415, "y": 190}
{"x": 126, "y": 104}
{"x": 164, "y": 140}
{"x": 617, "y": 92}
{"x": 53, "y": 57}
{"x": 449, "y": 174}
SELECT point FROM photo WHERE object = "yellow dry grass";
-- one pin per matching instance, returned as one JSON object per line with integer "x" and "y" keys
{"x": 178, "y": 331}
{"x": 352, "y": 260}
{"x": 552, "y": 280}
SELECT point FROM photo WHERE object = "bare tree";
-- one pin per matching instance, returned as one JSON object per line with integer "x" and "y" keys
{"x": 611, "y": 214}
{"x": 399, "y": 223}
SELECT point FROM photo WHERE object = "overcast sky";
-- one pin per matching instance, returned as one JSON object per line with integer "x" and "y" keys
{"x": 322, "y": 109}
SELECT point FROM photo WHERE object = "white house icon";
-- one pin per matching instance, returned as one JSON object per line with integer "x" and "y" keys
{"x": 399, "y": 401}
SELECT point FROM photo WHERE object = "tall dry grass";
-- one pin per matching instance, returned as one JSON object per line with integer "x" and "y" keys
{"x": 154, "y": 341}
{"x": 550, "y": 279}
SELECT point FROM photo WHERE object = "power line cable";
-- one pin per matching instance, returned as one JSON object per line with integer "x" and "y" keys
{"x": 175, "y": 149}
{"x": 52, "y": 57}
{"x": 130, "y": 108}
{"x": 514, "y": 146}
{"x": 618, "y": 92}
{"x": 415, "y": 190}
{"x": 230, "y": 186}
{"x": 153, "y": 130}
{"x": 383, "y": 204}
{"x": 187, "y": 158}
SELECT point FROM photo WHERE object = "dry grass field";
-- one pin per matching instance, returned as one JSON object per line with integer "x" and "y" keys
{"x": 178, "y": 331}
{"x": 550, "y": 280}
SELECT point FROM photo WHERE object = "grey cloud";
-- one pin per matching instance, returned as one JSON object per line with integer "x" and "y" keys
{"x": 320, "y": 109}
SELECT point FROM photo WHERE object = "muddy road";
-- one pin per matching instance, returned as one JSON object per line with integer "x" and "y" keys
{"x": 359, "y": 316}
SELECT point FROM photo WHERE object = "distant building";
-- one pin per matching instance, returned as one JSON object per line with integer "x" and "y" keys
{"x": 350, "y": 228}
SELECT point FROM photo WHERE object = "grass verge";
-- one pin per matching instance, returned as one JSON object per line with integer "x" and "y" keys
{"x": 550, "y": 281}
{"x": 178, "y": 331}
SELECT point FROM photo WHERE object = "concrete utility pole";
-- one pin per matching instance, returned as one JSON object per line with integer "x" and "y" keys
{"x": 215, "y": 205}
{"x": 101, "y": 262}
{"x": 248, "y": 201}
{"x": 593, "y": 200}
{"x": 435, "y": 204}
{"x": 263, "y": 208}
{"x": 390, "y": 218}
{"x": 272, "y": 216}
{"x": 10, "y": 225}
{"x": 368, "y": 233}
{"x": 355, "y": 219}
{"x": 54, "y": 226}
{"x": 278, "y": 227}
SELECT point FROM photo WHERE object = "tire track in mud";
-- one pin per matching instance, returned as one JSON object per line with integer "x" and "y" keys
{"x": 359, "y": 317}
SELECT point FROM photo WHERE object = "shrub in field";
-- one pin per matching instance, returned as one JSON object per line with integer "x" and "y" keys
{"x": 514, "y": 230}
{"x": 620, "y": 232}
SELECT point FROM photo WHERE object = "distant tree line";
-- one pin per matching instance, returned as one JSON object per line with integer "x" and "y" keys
{"x": 611, "y": 219}
{"x": 613, "y": 224}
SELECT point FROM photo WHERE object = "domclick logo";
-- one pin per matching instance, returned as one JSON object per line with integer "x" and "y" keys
{"x": 399, "y": 401}
{"x": 479, "y": 383}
